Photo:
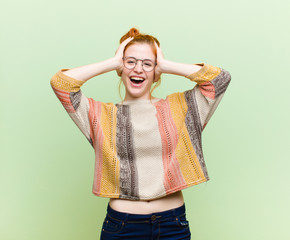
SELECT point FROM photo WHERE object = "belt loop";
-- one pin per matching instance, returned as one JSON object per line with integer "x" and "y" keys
{"x": 174, "y": 214}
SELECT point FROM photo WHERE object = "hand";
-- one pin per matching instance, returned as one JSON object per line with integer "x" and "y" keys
{"x": 160, "y": 63}
{"x": 119, "y": 55}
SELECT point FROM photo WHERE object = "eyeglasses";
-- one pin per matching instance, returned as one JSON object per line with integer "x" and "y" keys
{"x": 130, "y": 63}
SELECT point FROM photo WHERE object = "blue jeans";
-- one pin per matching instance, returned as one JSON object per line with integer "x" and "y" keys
{"x": 170, "y": 224}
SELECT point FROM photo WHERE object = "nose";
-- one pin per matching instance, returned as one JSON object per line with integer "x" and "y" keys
{"x": 138, "y": 67}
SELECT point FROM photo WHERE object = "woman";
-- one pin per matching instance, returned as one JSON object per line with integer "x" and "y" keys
{"x": 147, "y": 149}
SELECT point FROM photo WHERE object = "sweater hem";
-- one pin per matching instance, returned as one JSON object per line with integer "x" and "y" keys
{"x": 170, "y": 191}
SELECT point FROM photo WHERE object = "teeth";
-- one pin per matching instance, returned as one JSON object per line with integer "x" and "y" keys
{"x": 137, "y": 79}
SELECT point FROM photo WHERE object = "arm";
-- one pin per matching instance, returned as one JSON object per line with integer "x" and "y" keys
{"x": 170, "y": 67}
{"x": 212, "y": 83}
{"x": 66, "y": 84}
{"x": 180, "y": 69}
{"x": 86, "y": 72}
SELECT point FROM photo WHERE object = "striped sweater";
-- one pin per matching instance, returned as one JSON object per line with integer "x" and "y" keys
{"x": 146, "y": 150}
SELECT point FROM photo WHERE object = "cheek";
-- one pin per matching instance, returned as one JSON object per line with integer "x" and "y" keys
{"x": 125, "y": 73}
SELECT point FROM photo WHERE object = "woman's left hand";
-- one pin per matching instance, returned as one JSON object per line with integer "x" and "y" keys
{"x": 160, "y": 63}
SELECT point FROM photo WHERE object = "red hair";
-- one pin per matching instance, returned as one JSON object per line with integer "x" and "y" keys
{"x": 140, "y": 38}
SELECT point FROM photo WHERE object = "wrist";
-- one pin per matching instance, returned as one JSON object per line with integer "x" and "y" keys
{"x": 166, "y": 66}
{"x": 115, "y": 63}
{"x": 181, "y": 69}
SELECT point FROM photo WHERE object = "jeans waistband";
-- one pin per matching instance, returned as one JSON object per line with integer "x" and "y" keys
{"x": 157, "y": 216}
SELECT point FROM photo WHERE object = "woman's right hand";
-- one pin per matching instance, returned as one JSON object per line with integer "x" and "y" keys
{"x": 119, "y": 55}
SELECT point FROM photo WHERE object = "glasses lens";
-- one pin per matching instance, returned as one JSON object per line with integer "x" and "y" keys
{"x": 148, "y": 65}
{"x": 130, "y": 63}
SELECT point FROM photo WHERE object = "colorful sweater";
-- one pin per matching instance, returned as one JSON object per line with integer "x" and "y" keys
{"x": 146, "y": 150}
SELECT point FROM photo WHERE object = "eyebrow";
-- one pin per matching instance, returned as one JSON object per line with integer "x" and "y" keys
{"x": 141, "y": 59}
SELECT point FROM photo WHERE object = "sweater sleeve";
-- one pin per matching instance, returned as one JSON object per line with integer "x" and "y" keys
{"x": 212, "y": 83}
{"x": 68, "y": 91}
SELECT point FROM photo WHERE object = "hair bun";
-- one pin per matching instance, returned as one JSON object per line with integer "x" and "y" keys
{"x": 133, "y": 32}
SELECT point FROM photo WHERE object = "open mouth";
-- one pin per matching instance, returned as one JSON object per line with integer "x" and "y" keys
{"x": 136, "y": 80}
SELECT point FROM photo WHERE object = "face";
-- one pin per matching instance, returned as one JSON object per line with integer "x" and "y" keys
{"x": 138, "y": 90}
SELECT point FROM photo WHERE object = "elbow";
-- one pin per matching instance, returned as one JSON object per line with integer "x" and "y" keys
{"x": 221, "y": 82}
{"x": 53, "y": 81}
{"x": 228, "y": 77}
{"x": 225, "y": 78}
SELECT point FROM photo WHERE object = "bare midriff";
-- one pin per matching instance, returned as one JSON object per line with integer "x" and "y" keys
{"x": 165, "y": 203}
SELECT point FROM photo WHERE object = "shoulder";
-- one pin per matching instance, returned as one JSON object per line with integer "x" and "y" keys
{"x": 101, "y": 106}
{"x": 176, "y": 99}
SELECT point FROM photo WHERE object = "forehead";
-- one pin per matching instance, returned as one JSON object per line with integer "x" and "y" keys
{"x": 140, "y": 51}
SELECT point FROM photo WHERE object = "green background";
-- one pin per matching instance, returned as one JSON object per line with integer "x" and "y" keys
{"x": 46, "y": 168}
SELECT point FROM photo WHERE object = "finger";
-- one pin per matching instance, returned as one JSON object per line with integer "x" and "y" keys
{"x": 155, "y": 44}
{"x": 128, "y": 40}
{"x": 157, "y": 47}
{"x": 123, "y": 44}
{"x": 159, "y": 51}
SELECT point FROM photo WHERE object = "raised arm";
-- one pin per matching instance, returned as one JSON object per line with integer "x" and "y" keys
{"x": 86, "y": 72}
{"x": 170, "y": 67}
{"x": 66, "y": 84}
{"x": 204, "y": 98}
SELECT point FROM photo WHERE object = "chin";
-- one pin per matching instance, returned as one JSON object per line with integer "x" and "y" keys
{"x": 136, "y": 95}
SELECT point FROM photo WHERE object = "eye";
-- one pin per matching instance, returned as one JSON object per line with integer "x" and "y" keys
{"x": 130, "y": 62}
{"x": 148, "y": 64}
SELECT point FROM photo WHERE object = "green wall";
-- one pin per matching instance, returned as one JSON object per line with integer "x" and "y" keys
{"x": 46, "y": 166}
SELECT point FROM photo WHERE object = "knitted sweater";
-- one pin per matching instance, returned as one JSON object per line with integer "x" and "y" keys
{"x": 146, "y": 150}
